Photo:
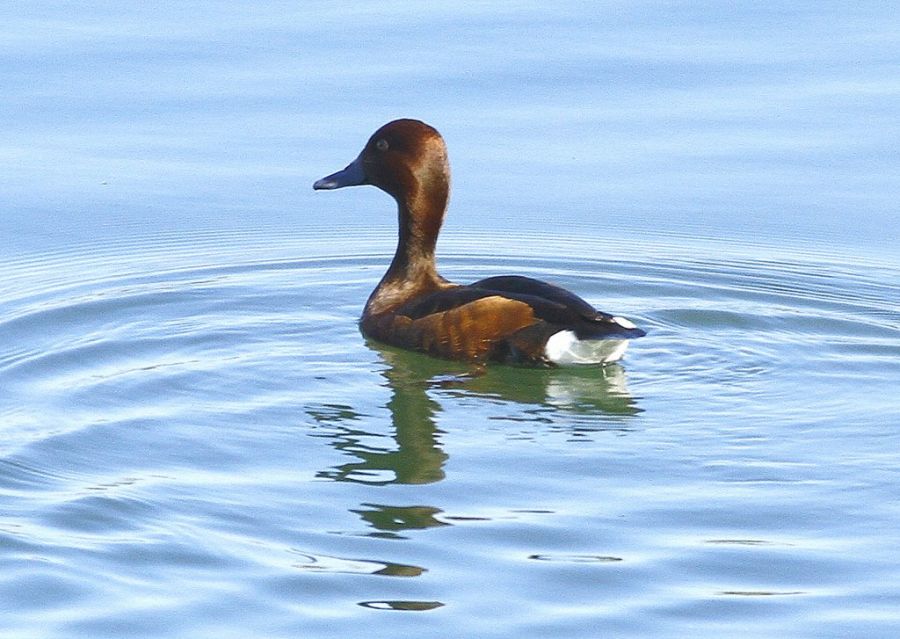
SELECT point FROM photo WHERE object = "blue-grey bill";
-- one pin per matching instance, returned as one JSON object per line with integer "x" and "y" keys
{"x": 352, "y": 175}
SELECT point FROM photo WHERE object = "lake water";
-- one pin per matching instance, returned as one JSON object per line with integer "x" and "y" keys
{"x": 196, "y": 441}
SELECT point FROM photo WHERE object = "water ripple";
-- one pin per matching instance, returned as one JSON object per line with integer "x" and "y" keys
{"x": 178, "y": 408}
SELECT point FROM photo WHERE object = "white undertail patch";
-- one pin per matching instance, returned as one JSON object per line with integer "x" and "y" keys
{"x": 564, "y": 348}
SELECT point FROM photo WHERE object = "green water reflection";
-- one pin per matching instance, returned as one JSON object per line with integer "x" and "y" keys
{"x": 391, "y": 520}
{"x": 588, "y": 398}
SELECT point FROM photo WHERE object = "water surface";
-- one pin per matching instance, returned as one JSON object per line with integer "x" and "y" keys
{"x": 197, "y": 441}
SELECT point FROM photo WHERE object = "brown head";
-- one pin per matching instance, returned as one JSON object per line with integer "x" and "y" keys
{"x": 398, "y": 157}
{"x": 408, "y": 160}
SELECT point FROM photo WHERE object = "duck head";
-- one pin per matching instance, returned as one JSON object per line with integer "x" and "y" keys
{"x": 408, "y": 160}
{"x": 405, "y": 158}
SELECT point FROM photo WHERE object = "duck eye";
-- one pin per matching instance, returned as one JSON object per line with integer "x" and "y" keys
{"x": 382, "y": 145}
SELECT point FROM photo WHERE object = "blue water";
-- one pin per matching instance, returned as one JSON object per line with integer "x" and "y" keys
{"x": 195, "y": 440}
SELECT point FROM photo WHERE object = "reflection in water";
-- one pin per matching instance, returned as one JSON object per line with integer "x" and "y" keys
{"x": 536, "y": 394}
{"x": 417, "y": 458}
{"x": 401, "y": 605}
{"x": 591, "y": 398}
{"x": 577, "y": 559}
{"x": 390, "y": 519}
{"x": 599, "y": 391}
{"x": 323, "y": 563}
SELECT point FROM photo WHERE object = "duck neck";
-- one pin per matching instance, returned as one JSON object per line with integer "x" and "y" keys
{"x": 413, "y": 271}
{"x": 420, "y": 213}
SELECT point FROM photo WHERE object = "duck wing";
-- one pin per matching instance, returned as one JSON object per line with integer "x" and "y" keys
{"x": 457, "y": 323}
{"x": 554, "y": 307}
{"x": 560, "y": 307}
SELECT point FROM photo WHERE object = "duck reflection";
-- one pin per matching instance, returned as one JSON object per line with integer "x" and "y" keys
{"x": 598, "y": 391}
{"x": 417, "y": 458}
{"x": 389, "y": 521}
{"x": 594, "y": 398}
{"x": 581, "y": 399}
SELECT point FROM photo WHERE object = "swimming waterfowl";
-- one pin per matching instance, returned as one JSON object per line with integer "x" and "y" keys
{"x": 509, "y": 318}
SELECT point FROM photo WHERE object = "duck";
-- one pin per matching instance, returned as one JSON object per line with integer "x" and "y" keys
{"x": 508, "y": 318}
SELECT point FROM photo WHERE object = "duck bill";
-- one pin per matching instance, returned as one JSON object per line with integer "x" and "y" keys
{"x": 352, "y": 175}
